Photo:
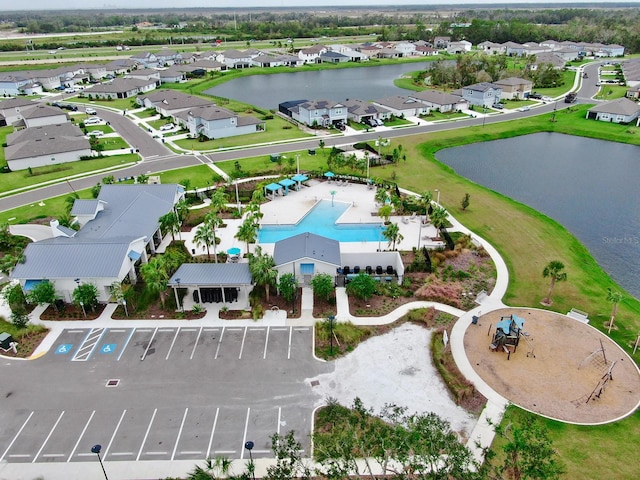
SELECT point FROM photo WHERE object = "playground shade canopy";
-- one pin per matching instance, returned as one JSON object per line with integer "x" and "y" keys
{"x": 273, "y": 188}
{"x": 286, "y": 183}
{"x": 505, "y": 323}
{"x": 298, "y": 177}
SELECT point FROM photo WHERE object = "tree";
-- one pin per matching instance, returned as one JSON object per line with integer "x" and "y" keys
{"x": 14, "y": 296}
{"x": 8, "y": 262}
{"x": 529, "y": 452}
{"x": 217, "y": 468}
{"x": 289, "y": 460}
{"x": 385, "y": 212}
{"x": 212, "y": 221}
{"x": 362, "y": 286}
{"x": 169, "y": 222}
{"x": 86, "y": 294}
{"x": 42, "y": 293}
{"x": 263, "y": 270}
{"x": 438, "y": 217}
{"x": 204, "y": 235}
{"x": 247, "y": 232}
{"x": 323, "y": 285}
{"x": 321, "y": 144}
{"x": 614, "y": 297}
{"x": 425, "y": 201}
{"x": 142, "y": 178}
{"x": 155, "y": 277}
{"x": 288, "y": 286}
{"x": 393, "y": 235}
{"x": 553, "y": 270}
{"x": 20, "y": 318}
{"x": 464, "y": 203}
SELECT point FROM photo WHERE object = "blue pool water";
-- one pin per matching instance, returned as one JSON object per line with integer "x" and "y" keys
{"x": 321, "y": 220}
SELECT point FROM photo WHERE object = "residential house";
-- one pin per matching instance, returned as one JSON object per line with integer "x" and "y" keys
{"x": 15, "y": 83}
{"x": 388, "y": 52}
{"x": 492, "y": 48}
{"x": 407, "y": 49}
{"x": 167, "y": 57}
{"x": 403, "y": 106}
{"x": 173, "y": 74}
{"x": 217, "y": 122}
{"x": 460, "y": 47}
{"x": 120, "y": 229}
{"x": 359, "y": 110}
{"x": 170, "y": 102}
{"x": 209, "y": 65}
{"x": 482, "y": 94}
{"x": 621, "y": 110}
{"x": 334, "y": 57}
{"x": 236, "y": 58}
{"x": 43, "y": 115}
{"x": 268, "y": 61}
{"x": 371, "y": 51}
{"x": 425, "y": 51}
{"x": 322, "y": 113}
{"x": 547, "y": 58}
{"x": 440, "y": 101}
{"x": 633, "y": 92}
{"x": 95, "y": 71}
{"x": 13, "y": 109}
{"x": 45, "y": 145}
{"x": 312, "y": 54}
{"x": 145, "y": 74}
{"x": 514, "y": 87}
{"x": 146, "y": 59}
{"x": 121, "y": 88}
{"x": 441, "y": 42}
{"x": 120, "y": 66}
{"x": 567, "y": 54}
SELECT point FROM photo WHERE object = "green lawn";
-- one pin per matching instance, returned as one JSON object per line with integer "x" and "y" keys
{"x": 435, "y": 116}
{"x": 113, "y": 143}
{"x": 120, "y": 103}
{"x": 22, "y": 178}
{"x": 158, "y": 123}
{"x": 49, "y": 208}
{"x": 149, "y": 112}
{"x": 4, "y": 131}
{"x": 611, "y": 92}
{"x": 199, "y": 176}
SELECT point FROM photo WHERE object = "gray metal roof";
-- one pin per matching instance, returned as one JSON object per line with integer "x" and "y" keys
{"x": 48, "y": 146}
{"x": 43, "y": 111}
{"x": 63, "y": 257}
{"x": 83, "y": 206}
{"x": 66, "y": 129}
{"x": 620, "y": 106}
{"x": 212, "y": 274}
{"x": 307, "y": 245}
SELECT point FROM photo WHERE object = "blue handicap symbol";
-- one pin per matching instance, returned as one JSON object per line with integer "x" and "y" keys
{"x": 64, "y": 348}
{"x": 108, "y": 348}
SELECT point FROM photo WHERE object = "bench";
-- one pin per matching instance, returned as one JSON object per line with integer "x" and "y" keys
{"x": 578, "y": 315}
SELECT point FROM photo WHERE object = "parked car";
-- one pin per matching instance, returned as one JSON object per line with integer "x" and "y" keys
{"x": 66, "y": 106}
{"x": 535, "y": 96}
{"x": 93, "y": 121}
{"x": 340, "y": 126}
{"x": 167, "y": 126}
{"x": 498, "y": 106}
{"x": 90, "y": 111}
{"x": 96, "y": 133}
{"x": 524, "y": 109}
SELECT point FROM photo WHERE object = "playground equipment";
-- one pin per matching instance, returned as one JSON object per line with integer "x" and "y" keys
{"x": 509, "y": 332}
{"x": 597, "y": 358}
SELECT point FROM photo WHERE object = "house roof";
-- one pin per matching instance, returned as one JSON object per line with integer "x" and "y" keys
{"x": 120, "y": 85}
{"x": 31, "y": 134}
{"x": 481, "y": 87}
{"x": 211, "y": 112}
{"x": 307, "y": 245}
{"x": 172, "y": 100}
{"x": 320, "y": 104}
{"x": 212, "y": 274}
{"x": 513, "y": 81}
{"x": 620, "y": 106}
{"x": 43, "y": 111}
{"x": 85, "y": 206}
{"x": 360, "y": 107}
{"x": 16, "y": 103}
{"x": 398, "y": 102}
{"x": 437, "y": 98}
{"x": 46, "y": 145}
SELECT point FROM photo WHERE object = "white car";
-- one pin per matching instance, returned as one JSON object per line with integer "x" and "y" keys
{"x": 96, "y": 133}
{"x": 93, "y": 121}
{"x": 524, "y": 109}
{"x": 90, "y": 111}
{"x": 168, "y": 126}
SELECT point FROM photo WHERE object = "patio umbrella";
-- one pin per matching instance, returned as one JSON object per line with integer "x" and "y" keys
{"x": 286, "y": 183}
{"x": 329, "y": 174}
{"x": 234, "y": 251}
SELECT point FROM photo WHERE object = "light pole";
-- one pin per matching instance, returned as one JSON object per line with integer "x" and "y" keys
{"x": 419, "y": 232}
{"x": 237, "y": 197}
{"x": 96, "y": 449}
{"x": 484, "y": 115}
{"x": 298, "y": 163}
{"x": 249, "y": 446}
{"x": 438, "y": 199}
{"x": 331, "y": 320}
{"x": 124, "y": 304}
{"x": 84, "y": 312}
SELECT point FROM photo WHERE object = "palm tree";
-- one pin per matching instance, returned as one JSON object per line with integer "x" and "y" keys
{"x": 154, "y": 274}
{"x": 393, "y": 235}
{"x": 212, "y": 220}
{"x": 385, "y": 212}
{"x": 425, "y": 201}
{"x": 614, "y": 297}
{"x": 205, "y": 236}
{"x": 263, "y": 270}
{"x": 438, "y": 217}
{"x": 247, "y": 232}
{"x": 169, "y": 222}
{"x": 553, "y": 270}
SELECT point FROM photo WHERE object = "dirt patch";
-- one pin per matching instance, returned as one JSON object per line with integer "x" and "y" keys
{"x": 557, "y": 381}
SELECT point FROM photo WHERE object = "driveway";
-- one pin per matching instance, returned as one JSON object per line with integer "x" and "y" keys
{"x": 34, "y": 232}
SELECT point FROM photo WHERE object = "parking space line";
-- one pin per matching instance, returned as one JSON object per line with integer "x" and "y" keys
{"x": 193, "y": 352}
{"x": 88, "y": 345}
{"x": 117, "y": 330}
{"x": 279, "y": 329}
{"x": 184, "y": 417}
{"x": 266, "y": 342}
{"x": 213, "y": 429}
{"x": 144, "y": 355}
{"x": 19, "y": 455}
{"x": 219, "y": 343}
{"x": 155, "y": 453}
{"x": 244, "y": 435}
{"x": 279, "y": 419}
{"x": 121, "y": 454}
{"x": 225, "y": 452}
{"x": 172, "y": 343}
{"x": 144, "y": 440}
{"x": 75, "y": 331}
{"x": 86, "y": 425}
{"x": 302, "y": 329}
{"x": 48, "y": 437}
{"x": 244, "y": 336}
{"x": 289, "y": 349}
{"x": 126, "y": 343}
{"x": 106, "y": 450}
{"x": 85, "y": 454}
{"x": 53, "y": 455}
{"x": 190, "y": 452}
{"x": 17, "y": 435}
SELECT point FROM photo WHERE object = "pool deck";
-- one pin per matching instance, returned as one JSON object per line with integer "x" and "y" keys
{"x": 290, "y": 209}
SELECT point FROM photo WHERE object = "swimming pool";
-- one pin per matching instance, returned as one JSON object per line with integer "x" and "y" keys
{"x": 321, "y": 220}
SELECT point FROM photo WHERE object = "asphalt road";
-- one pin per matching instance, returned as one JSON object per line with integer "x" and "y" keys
{"x": 175, "y": 394}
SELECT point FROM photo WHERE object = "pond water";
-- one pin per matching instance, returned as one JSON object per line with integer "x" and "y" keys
{"x": 365, "y": 83}
{"x": 589, "y": 186}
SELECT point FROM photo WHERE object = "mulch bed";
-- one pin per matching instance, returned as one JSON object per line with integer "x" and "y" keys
{"x": 154, "y": 311}
{"x": 70, "y": 311}
{"x": 27, "y": 344}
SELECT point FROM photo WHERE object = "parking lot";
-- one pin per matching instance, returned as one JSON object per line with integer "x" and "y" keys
{"x": 160, "y": 394}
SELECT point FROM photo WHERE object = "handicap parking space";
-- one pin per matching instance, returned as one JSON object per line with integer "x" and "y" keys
{"x": 111, "y": 344}
{"x": 67, "y": 344}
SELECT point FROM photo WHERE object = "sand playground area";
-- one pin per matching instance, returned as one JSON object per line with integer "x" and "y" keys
{"x": 558, "y": 369}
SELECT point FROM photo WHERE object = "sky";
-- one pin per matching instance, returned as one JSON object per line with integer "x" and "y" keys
{"x": 121, "y": 4}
